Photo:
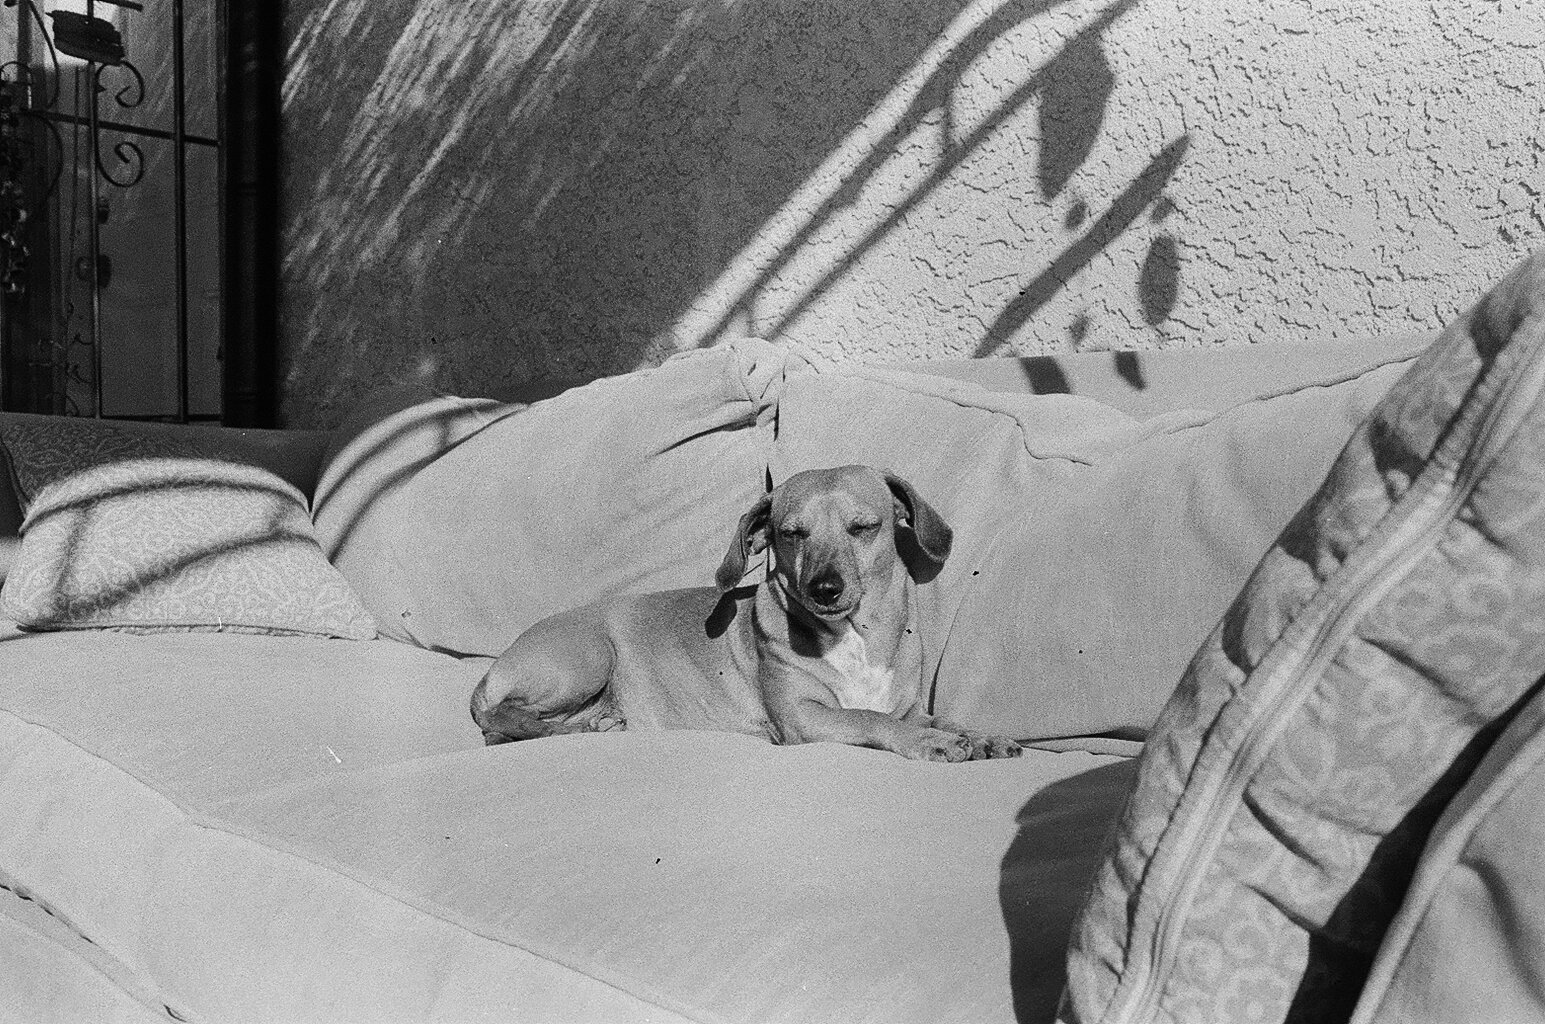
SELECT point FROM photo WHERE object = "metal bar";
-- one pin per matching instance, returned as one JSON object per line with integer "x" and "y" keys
{"x": 222, "y": 30}
{"x": 24, "y": 56}
{"x": 9, "y": 334}
{"x": 251, "y": 133}
{"x": 150, "y": 417}
{"x": 128, "y": 129}
{"x": 94, "y": 240}
{"x": 180, "y": 207}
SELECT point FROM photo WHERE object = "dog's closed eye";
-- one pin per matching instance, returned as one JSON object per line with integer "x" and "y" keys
{"x": 863, "y": 527}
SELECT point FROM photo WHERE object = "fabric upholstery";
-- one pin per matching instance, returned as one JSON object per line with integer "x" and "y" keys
{"x": 293, "y": 454}
{"x": 127, "y": 530}
{"x": 289, "y": 828}
{"x": 1147, "y": 384}
{"x": 172, "y": 544}
{"x": 1084, "y": 614}
{"x": 982, "y": 460}
{"x": 1093, "y": 551}
{"x": 337, "y": 844}
{"x": 358, "y": 508}
{"x": 10, "y": 501}
{"x": 465, "y": 523}
{"x": 1466, "y": 944}
{"x": 1289, "y": 785}
{"x": 53, "y": 974}
{"x": 56, "y": 446}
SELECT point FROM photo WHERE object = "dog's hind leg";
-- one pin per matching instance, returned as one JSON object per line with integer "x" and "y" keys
{"x": 553, "y": 679}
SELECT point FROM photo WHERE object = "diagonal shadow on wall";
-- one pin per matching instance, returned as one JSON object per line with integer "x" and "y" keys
{"x": 517, "y": 192}
{"x": 528, "y": 190}
{"x": 1074, "y": 87}
{"x": 1156, "y": 287}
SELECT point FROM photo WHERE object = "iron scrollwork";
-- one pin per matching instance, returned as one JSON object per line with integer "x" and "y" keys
{"x": 31, "y": 90}
{"x": 128, "y": 153}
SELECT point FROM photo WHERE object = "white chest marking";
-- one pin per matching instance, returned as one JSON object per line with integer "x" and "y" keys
{"x": 861, "y": 684}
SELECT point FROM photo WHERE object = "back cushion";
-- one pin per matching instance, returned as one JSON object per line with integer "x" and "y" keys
{"x": 983, "y": 460}
{"x": 1093, "y": 551}
{"x": 1082, "y": 617}
{"x": 358, "y": 509}
{"x": 462, "y": 522}
{"x": 1383, "y": 642}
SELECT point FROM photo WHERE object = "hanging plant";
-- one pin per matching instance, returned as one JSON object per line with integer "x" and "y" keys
{"x": 13, "y": 205}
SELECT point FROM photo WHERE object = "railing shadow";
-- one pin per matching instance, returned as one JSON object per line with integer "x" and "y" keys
{"x": 1076, "y": 82}
{"x": 1158, "y": 297}
{"x": 81, "y": 595}
{"x": 1045, "y": 878}
{"x": 526, "y": 191}
{"x": 517, "y": 191}
{"x": 387, "y": 454}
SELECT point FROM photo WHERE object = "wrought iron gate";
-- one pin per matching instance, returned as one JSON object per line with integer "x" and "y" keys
{"x": 135, "y": 222}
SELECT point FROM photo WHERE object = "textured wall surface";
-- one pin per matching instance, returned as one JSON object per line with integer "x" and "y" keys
{"x": 567, "y": 188}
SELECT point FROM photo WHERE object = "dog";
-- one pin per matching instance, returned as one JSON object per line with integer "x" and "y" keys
{"x": 827, "y": 648}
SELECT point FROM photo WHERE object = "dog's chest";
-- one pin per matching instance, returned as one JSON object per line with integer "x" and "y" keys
{"x": 861, "y": 683}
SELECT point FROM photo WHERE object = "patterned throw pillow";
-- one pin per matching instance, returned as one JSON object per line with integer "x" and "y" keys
{"x": 140, "y": 532}
{"x": 1287, "y": 790}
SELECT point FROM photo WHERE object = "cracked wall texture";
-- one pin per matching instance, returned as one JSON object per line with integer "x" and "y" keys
{"x": 502, "y": 193}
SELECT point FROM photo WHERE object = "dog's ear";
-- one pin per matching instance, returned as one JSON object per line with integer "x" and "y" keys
{"x": 922, "y": 535}
{"x": 751, "y": 536}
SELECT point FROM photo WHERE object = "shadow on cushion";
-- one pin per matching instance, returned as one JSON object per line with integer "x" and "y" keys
{"x": 1062, "y": 830}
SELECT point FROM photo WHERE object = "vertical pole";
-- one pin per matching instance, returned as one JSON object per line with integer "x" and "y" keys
{"x": 180, "y": 207}
{"x": 12, "y": 379}
{"x": 250, "y": 166}
{"x": 94, "y": 237}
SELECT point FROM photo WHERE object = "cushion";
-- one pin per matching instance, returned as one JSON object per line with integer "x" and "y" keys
{"x": 1152, "y": 382}
{"x": 462, "y": 522}
{"x": 52, "y": 974}
{"x": 981, "y": 459}
{"x": 1117, "y": 578}
{"x": 57, "y": 445}
{"x": 1464, "y": 948}
{"x": 373, "y": 455}
{"x": 124, "y": 531}
{"x": 1093, "y": 551}
{"x": 336, "y": 844}
{"x": 1290, "y": 783}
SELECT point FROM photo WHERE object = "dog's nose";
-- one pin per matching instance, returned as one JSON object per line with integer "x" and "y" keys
{"x": 826, "y": 588}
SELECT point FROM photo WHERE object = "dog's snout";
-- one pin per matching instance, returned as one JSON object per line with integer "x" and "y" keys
{"x": 826, "y": 587}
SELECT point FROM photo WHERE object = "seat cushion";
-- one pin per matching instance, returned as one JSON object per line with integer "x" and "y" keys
{"x": 288, "y": 832}
{"x": 1386, "y": 638}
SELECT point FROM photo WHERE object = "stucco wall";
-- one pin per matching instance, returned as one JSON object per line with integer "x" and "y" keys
{"x": 505, "y": 192}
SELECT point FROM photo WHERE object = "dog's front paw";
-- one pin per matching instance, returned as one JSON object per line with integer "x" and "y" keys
{"x": 930, "y": 744}
{"x": 985, "y": 747}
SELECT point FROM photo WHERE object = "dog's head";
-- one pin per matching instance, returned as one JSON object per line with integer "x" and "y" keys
{"x": 834, "y": 532}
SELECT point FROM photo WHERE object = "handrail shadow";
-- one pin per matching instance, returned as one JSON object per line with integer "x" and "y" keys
{"x": 1045, "y": 876}
{"x": 406, "y": 198}
{"x": 89, "y": 596}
